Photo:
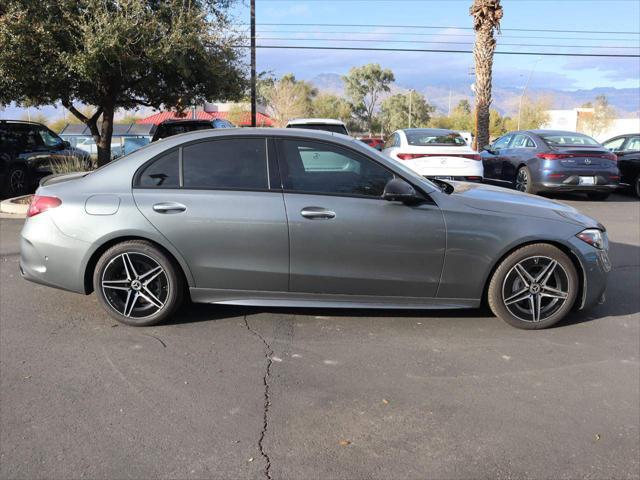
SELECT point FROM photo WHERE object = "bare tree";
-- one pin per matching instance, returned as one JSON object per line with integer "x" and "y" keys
{"x": 486, "y": 19}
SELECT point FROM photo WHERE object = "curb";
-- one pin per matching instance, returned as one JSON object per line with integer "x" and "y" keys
{"x": 17, "y": 210}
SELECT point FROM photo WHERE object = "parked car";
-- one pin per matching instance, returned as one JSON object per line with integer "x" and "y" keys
{"x": 534, "y": 161}
{"x": 435, "y": 153}
{"x": 326, "y": 124}
{"x": 373, "y": 142}
{"x": 89, "y": 145}
{"x": 468, "y": 137}
{"x": 169, "y": 128}
{"x": 27, "y": 151}
{"x": 627, "y": 149}
{"x": 245, "y": 217}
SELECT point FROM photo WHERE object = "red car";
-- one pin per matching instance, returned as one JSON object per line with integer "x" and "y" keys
{"x": 374, "y": 142}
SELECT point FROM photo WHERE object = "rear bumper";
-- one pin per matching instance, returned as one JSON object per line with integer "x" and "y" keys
{"x": 561, "y": 187}
{"x": 49, "y": 257}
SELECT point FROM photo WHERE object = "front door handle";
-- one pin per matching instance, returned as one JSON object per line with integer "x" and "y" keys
{"x": 169, "y": 207}
{"x": 317, "y": 213}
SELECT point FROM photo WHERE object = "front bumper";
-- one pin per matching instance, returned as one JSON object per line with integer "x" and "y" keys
{"x": 49, "y": 257}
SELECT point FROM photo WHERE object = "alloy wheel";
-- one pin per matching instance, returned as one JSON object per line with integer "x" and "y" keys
{"x": 535, "y": 288}
{"x": 135, "y": 285}
{"x": 522, "y": 180}
{"x": 17, "y": 181}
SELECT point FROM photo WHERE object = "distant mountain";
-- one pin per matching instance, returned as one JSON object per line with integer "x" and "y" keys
{"x": 625, "y": 100}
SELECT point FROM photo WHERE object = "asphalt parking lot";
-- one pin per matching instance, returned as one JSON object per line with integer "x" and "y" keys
{"x": 224, "y": 392}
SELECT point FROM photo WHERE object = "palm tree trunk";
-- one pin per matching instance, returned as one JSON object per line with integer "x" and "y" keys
{"x": 486, "y": 18}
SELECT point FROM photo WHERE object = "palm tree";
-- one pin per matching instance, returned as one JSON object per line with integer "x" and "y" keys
{"x": 486, "y": 18}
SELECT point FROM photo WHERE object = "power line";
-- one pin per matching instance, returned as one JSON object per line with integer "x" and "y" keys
{"x": 422, "y": 34}
{"x": 361, "y": 25}
{"x": 381, "y": 49}
{"x": 371, "y": 40}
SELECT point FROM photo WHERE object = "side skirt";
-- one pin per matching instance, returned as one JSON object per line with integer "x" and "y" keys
{"x": 295, "y": 299}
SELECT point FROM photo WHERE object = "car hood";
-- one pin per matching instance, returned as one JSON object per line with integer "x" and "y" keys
{"x": 502, "y": 200}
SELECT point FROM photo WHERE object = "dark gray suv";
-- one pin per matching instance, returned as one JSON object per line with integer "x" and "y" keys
{"x": 27, "y": 151}
{"x": 551, "y": 161}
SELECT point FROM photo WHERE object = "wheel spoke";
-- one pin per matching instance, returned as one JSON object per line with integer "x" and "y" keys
{"x": 128, "y": 267}
{"x": 130, "y": 303}
{"x": 524, "y": 275}
{"x": 115, "y": 287}
{"x": 544, "y": 276}
{"x": 535, "y": 301}
{"x": 517, "y": 297}
{"x": 553, "y": 293}
{"x": 151, "y": 298}
{"x": 151, "y": 274}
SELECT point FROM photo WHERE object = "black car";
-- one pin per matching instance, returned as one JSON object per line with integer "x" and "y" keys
{"x": 27, "y": 151}
{"x": 534, "y": 161}
{"x": 627, "y": 148}
{"x": 169, "y": 128}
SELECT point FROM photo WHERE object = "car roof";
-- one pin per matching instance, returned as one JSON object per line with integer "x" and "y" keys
{"x": 551, "y": 132}
{"x": 21, "y": 122}
{"x": 320, "y": 121}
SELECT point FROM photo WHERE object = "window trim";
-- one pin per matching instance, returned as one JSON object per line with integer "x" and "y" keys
{"x": 135, "y": 183}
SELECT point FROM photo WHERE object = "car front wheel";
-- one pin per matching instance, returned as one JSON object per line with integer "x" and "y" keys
{"x": 534, "y": 287}
{"x": 137, "y": 283}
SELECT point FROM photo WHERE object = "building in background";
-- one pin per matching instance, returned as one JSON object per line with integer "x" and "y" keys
{"x": 578, "y": 120}
{"x": 237, "y": 113}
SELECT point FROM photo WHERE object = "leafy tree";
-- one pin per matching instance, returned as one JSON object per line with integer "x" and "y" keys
{"x": 602, "y": 117}
{"x": 37, "y": 117}
{"x": 497, "y": 124}
{"x": 534, "y": 114}
{"x": 116, "y": 54}
{"x": 364, "y": 86}
{"x": 394, "y": 112}
{"x": 327, "y": 105}
{"x": 287, "y": 98}
{"x": 486, "y": 19}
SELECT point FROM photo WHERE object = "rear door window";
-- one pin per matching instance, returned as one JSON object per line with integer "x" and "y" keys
{"x": 163, "y": 172}
{"x": 230, "y": 164}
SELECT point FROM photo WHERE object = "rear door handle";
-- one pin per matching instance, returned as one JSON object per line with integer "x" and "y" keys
{"x": 317, "y": 213}
{"x": 169, "y": 207}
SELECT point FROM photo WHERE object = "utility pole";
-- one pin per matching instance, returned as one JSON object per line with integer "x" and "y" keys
{"x": 253, "y": 64}
{"x": 524, "y": 90}
{"x": 410, "y": 97}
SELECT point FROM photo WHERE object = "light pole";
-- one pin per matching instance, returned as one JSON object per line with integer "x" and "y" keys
{"x": 253, "y": 63}
{"x": 410, "y": 98}
{"x": 524, "y": 90}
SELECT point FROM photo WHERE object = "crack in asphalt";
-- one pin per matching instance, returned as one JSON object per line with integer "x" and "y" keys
{"x": 267, "y": 399}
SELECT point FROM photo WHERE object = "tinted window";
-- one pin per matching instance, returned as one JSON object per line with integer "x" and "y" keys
{"x": 633, "y": 145}
{"x": 316, "y": 167}
{"x": 226, "y": 164}
{"x": 568, "y": 139}
{"x": 162, "y": 173}
{"x": 49, "y": 139}
{"x": 430, "y": 137}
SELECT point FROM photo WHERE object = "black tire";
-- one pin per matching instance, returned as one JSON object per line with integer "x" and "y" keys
{"x": 636, "y": 186}
{"x": 523, "y": 182}
{"x": 598, "y": 196}
{"x": 550, "y": 310}
{"x": 18, "y": 181}
{"x": 130, "y": 291}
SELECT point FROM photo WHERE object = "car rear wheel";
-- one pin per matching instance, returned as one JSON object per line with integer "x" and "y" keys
{"x": 598, "y": 196}
{"x": 523, "y": 181}
{"x": 534, "y": 287}
{"x": 637, "y": 185}
{"x": 137, "y": 283}
{"x": 18, "y": 179}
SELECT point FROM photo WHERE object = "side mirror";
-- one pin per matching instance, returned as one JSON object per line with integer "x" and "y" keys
{"x": 66, "y": 144}
{"x": 488, "y": 148}
{"x": 397, "y": 190}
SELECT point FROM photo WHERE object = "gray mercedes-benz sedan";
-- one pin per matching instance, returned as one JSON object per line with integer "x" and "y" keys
{"x": 303, "y": 218}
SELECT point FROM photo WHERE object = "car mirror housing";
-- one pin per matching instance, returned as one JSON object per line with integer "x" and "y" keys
{"x": 488, "y": 148}
{"x": 397, "y": 190}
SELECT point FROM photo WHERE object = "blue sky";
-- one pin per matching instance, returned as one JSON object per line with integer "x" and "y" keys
{"x": 417, "y": 70}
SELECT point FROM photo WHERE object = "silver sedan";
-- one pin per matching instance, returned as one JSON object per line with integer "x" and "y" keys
{"x": 301, "y": 218}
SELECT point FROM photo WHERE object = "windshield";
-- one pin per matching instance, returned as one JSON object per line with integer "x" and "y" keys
{"x": 322, "y": 126}
{"x": 568, "y": 139}
{"x": 430, "y": 138}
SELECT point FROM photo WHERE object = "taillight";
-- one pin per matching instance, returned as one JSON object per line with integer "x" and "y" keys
{"x": 410, "y": 156}
{"x": 558, "y": 156}
{"x": 41, "y": 204}
{"x": 470, "y": 156}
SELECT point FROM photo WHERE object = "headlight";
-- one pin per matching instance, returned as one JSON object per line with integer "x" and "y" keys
{"x": 594, "y": 237}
